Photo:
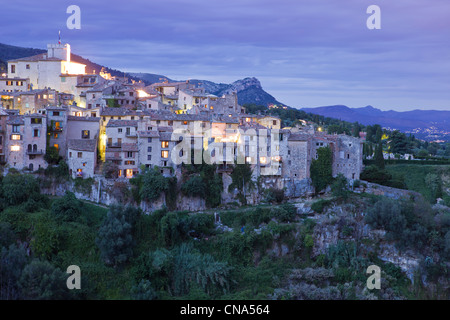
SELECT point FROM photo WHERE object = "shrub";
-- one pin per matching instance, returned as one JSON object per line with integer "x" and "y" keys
{"x": 339, "y": 187}
{"x": 275, "y": 195}
{"x": 67, "y": 208}
{"x": 320, "y": 205}
{"x": 194, "y": 187}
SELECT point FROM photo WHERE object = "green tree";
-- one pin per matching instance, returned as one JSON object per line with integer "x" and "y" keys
{"x": 12, "y": 261}
{"x": 378, "y": 133}
{"x": 143, "y": 291}
{"x": 7, "y": 235}
{"x": 241, "y": 176}
{"x": 379, "y": 159}
{"x": 339, "y": 187}
{"x": 52, "y": 155}
{"x": 153, "y": 184}
{"x": 194, "y": 187}
{"x": 115, "y": 240}
{"x": 67, "y": 208}
{"x": 42, "y": 281}
{"x": 18, "y": 188}
{"x": 399, "y": 142}
{"x": 321, "y": 169}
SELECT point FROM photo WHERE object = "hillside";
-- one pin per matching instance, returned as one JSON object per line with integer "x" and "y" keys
{"x": 425, "y": 124}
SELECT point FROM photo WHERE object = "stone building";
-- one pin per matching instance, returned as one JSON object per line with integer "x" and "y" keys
{"x": 26, "y": 136}
{"x": 82, "y": 157}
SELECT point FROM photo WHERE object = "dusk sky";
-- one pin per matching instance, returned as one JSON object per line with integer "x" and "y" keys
{"x": 305, "y": 53}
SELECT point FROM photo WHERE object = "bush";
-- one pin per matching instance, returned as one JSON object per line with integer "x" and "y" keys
{"x": 153, "y": 183}
{"x": 67, "y": 208}
{"x": 115, "y": 240}
{"x": 321, "y": 169}
{"x": 286, "y": 212}
{"x": 320, "y": 205}
{"x": 339, "y": 187}
{"x": 194, "y": 187}
{"x": 275, "y": 195}
{"x": 18, "y": 188}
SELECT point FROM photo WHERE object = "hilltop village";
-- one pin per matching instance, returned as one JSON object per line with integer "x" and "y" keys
{"x": 48, "y": 101}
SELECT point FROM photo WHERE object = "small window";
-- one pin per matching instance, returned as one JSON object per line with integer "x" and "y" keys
{"x": 85, "y": 134}
{"x": 164, "y": 154}
{"x": 28, "y": 67}
{"x": 80, "y": 154}
{"x": 119, "y": 130}
{"x": 149, "y": 140}
{"x": 164, "y": 144}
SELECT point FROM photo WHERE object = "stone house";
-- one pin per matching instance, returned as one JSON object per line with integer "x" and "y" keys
{"x": 82, "y": 157}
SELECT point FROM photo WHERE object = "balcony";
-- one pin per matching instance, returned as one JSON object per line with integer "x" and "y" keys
{"x": 35, "y": 152}
{"x": 131, "y": 134}
{"x": 56, "y": 129}
{"x": 114, "y": 145}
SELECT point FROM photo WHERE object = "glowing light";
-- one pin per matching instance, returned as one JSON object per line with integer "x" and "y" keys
{"x": 276, "y": 158}
{"x": 142, "y": 94}
{"x": 15, "y": 148}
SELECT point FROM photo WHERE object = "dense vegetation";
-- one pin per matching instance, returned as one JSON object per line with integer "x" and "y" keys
{"x": 253, "y": 253}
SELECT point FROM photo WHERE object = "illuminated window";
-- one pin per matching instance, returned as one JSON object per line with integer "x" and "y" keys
{"x": 248, "y": 159}
{"x": 164, "y": 144}
{"x": 56, "y": 146}
{"x": 15, "y": 148}
{"x": 263, "y": 160}
{"x": 15, "y": 137}
{"x": 85, "y": 134}
{"x": 129, "y": 173}
{"x": 165, "y": 154}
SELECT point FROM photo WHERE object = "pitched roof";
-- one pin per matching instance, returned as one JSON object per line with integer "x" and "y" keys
{"x": 129, "y": 147}
{"x": 82, "y": 144}
{"x": 148, "y": 134}
{"x": 15, "y": 120}
{"x": 90, "y": 119}
{"x": 299, "y": 137}
{"x": 122, "y": 123}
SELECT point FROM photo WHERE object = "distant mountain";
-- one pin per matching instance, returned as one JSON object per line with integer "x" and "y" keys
{"x": 425, "y": 124}
{"x": 249, "y": 90}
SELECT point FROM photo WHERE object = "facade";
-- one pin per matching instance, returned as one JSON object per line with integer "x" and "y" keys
{"x": 26, "y": 136}
{"x": 45, "y": 70}
{"x": 82, "y": 157}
